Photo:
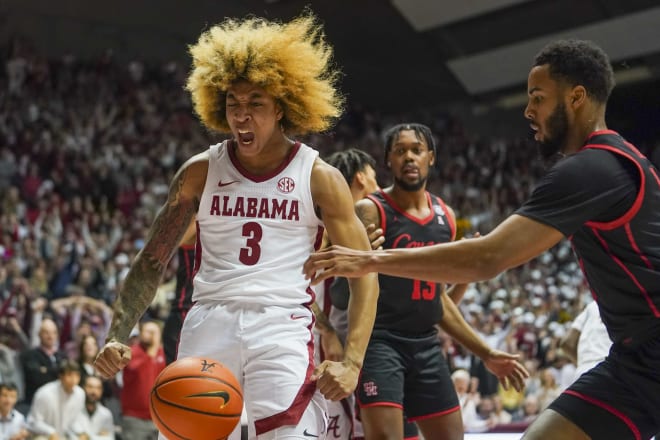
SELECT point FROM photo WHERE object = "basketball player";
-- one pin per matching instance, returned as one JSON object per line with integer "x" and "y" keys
{"x": 404, "y": 367}
{"x": 182, "y": 301}
{"x": 605, "y": 197}
{"x": 359, "y": 171}
{"x": 260, "y": 201}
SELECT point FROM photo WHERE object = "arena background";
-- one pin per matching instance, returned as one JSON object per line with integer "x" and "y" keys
{"x": 464, "y": 60}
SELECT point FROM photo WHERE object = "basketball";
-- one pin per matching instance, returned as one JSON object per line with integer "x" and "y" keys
{"x": 196, "y": 398}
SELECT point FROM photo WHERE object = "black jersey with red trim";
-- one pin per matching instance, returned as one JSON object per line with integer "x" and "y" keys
{"x": 404, "y": 305}
{"x": 184, "y": 278}
{"x": 606, "y": 199}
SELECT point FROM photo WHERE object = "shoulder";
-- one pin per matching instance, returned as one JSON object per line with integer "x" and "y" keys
{"x": 190, "y": 179}
{"x": 368, "y": 211}
{"x": 326, "y": 180}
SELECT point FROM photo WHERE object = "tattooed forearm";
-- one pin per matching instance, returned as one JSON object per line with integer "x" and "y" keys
{"x": 322, "y": 321}
{"x": 367, "y": 212}
{"x": 137, "y": 293}
{"x": 140, "y": 285}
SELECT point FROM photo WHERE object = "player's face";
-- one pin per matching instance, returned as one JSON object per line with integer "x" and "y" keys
{"x": 409, "y": 159}
{"x": 546, "y": 111}
{"x": 253, "y": 116}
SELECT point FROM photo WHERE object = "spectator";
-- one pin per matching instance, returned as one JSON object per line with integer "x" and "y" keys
{"x": 12, "y": 422}
{"x": 147, "y": 361}
{"x": 56, "y": 404}
{"x": 95, "y": 421}
{"x": 40, "y": 364}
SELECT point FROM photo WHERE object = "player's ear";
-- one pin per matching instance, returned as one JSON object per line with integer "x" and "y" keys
{"x": 279, "y": 111}
{"x": 578, "y": 96}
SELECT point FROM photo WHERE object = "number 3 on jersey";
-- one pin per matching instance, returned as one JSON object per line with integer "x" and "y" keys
{"x": 250, "y": 255}
{"x": 426, "y": 293}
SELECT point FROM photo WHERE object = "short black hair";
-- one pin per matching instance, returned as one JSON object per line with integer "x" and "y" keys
{"x": 422, "y": 131}
{"x": 11, "y": 386}
{"x": 68, "y": 366}
{"x": 579, "y": 62}
{"x": 350, "y": 162}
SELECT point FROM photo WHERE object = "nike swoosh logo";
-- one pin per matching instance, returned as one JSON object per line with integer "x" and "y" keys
{"x": 307, "y": 434}
{"x": 221, "y": 184}
{"x": 297, "y": 316}
{"x": 224, "y": 395}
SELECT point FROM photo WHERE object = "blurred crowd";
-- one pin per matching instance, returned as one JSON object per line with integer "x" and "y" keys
{"x": 87, "y": 149}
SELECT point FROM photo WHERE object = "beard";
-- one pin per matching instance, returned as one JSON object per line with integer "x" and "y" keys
{"x": 557, "y": 131}
{"x": 411, "y": 187}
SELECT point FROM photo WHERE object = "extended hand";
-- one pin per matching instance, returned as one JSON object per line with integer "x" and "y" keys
{"x": 336, "y": 261}
{"x": 376, "y": 237}
{"x": 113, "y": 357}
{"x": 507, "y": 369}
{"x": 336, "y": 380}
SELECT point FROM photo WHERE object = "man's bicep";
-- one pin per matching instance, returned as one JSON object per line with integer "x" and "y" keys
{"x": 367, "y": 212}
{"x": 173, "y": 219}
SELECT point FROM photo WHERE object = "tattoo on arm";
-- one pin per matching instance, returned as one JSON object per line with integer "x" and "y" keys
{"x": 147, "y": 270}
{"x": 367, "y": 213}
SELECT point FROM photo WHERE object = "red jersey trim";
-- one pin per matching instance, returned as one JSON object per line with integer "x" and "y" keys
{"x": 369, "y": 405}
{"x": 420, "y": 221}
{"x": 381, "y": 211}
{"x": 625, "y": 218}
{"x": 260, "y": 178}
{"x": 293, "y": 414}
{"x": 641, "y": 288}
{"x": 198, "y": 251}
{"x": 450, "y": 219}
{"x": 436, "y": 414}
{"x": 629, "y": 423}
{"x": 599, "y": 132}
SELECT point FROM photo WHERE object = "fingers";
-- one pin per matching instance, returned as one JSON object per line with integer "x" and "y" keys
{"x": 376, "y": 237}
{"x": 318, "y": 371}
{"x": 112, "y": 358}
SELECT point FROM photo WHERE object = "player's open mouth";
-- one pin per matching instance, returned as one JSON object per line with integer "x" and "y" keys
{"x": 245, "y": 137}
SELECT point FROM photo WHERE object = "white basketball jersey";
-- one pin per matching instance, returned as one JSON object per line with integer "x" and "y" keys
{"x": 255, "y": 232}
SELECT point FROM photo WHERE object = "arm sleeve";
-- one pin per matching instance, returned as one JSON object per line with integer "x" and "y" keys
{"x": 35, "y": 421}
{"x": 591, "y": 185}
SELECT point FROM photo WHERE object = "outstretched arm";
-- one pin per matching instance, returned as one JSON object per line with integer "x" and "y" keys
{"x": 332, "y": 196}
{"x": 503, "y": 365}
{"x": 515, "y": 241}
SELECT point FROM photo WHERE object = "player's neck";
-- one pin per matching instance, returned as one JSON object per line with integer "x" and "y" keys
{"x": 274, "y": 153}
{"x": 414, "y": 201}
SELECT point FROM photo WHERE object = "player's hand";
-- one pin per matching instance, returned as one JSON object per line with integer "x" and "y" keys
{"x": 113, "y": 357}
{"x": 376, "y": 237}
{"x": 332, "y": 346}
{"x": 507, "y": 369}
{"x": 336, "y": 261}
{"x": 336, "y": 380}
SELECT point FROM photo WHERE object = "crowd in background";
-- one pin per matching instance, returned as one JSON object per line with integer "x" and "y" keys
{"x": 87, "y": 149}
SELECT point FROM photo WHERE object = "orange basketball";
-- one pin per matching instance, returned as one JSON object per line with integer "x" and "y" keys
{"x": 196, "y": 398}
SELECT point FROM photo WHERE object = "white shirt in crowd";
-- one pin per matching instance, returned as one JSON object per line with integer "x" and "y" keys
{"x": 53, "y": 410}
{"x": 594, "y": 342}
{"x": 11, "y": 425}
{"x": 98, "y": 426}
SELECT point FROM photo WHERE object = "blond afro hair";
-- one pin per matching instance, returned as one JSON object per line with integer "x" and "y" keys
{"x": 291, "y": 61}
